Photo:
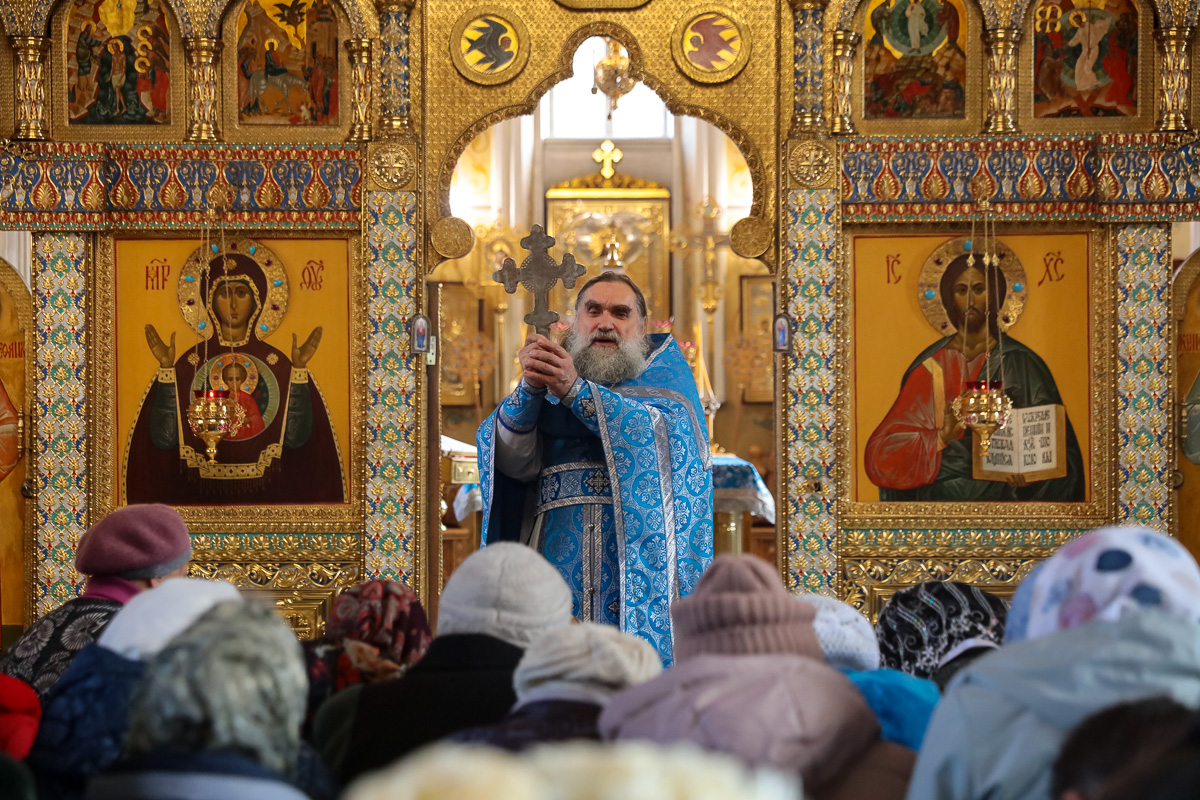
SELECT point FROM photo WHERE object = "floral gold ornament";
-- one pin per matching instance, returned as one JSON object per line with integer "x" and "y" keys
{"x": 929, "y": 282}
{"x": 810, "y": 164}
{"x": 392, "y": 167}
{"x": 710, "y": 45}
{"x": 489, "y": 46}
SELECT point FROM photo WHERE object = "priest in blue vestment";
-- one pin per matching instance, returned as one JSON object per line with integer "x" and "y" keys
{"x": 599, "y": 460}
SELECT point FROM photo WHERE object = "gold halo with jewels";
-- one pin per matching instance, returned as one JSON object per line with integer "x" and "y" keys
{"x": 194, "y": 307}
{"x": 750, "y": 237}
{"x": 216, "y": 372}
{"x": 929, "y": 284}
{"x": 710, "y": 44}
{"x": 452, "y": 237}
{"x": 489, "y": 45}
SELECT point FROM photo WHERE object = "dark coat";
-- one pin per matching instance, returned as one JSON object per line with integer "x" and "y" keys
{"x": 212, "y": 775}
{"x": 84, "y": 721}
{"x": 536, "y": 723}
{"x": 44, "y": 652}
{"x": 463, "y": 681}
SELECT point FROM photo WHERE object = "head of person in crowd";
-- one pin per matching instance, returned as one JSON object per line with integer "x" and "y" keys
{"x": 86, "y": 714}
{"x": 232, "y": 681}
{"x": 20, "y": 716}
{"x": 741, "y": 607}
{"x": 142, "y": 545}
{"x": 132, "y": 549}
{"x": 375, "y": 631}
{"x": 933, "y": 629}
{"x": 1105, "y": 574}
{"x": 1112, "y": 740}
{"x": 845, "y": 634}
{"x": 1169, "y": 773}
{"x": 586, "y": 663}
{"x": 563, "y": 681}
{"x": 507, "y": 591}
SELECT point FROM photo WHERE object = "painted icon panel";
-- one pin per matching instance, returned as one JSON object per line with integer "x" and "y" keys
{"x": 118, "y": 57}
{"x": 915, "y": 60}
{"x": 1085, "y": 59}
{"x": 287, "y": 63}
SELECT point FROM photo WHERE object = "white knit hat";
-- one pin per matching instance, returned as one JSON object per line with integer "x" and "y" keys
{"x": 845, "y": 634}
{"x": 505, "y": 590}
{"x": 585, "y": 662}
{"x": 154, "y": 617}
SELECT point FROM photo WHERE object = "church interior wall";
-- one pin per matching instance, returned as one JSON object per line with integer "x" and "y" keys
{"x": 1128, "y": 180}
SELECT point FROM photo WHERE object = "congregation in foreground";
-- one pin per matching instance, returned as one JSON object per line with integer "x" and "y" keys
{"x": 154, "y": 685}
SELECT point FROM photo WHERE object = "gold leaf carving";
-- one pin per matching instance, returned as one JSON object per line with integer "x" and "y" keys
{"x": 886, "y": 185}
{"x": 1032, "y": 184}
{"x": 934, "y": 187}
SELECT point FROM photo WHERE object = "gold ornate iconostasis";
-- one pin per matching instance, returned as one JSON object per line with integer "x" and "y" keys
{"x": 342, "y": 125}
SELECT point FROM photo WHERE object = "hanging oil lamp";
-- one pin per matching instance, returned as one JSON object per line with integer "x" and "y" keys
{"x": 983, "y": 407}
{"x": 214, "y": 413}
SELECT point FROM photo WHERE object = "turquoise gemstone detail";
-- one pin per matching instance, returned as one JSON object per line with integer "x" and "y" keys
{"x": 263, "y": 327}
{"x": 189, "y": 278}
{"x": 202, "y": 325}
{"x": 278, "y": 283}
{"x": 216, "y": 249}
{"x": 929, "y": 294}
{"x": 252, "y": 249}
{"x": 967, "y": 246}
{"x": 1018, "y": 287}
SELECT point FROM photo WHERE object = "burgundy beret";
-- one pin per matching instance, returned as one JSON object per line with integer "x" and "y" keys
{"x": 140, "y": 541}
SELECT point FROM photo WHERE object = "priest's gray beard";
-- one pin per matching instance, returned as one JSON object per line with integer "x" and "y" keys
{"x": 607, "y": 365}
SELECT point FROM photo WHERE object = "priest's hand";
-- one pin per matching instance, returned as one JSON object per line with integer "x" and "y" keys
{"x": 548, "y": 364}
{"x": 303, "y": 353}
{"x": 163, "y": 352}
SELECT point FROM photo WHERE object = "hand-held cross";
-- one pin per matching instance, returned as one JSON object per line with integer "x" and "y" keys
{"x": 538, "y": 273}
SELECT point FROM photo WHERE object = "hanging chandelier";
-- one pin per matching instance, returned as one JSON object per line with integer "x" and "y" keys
{"x": 611, "y": 74}
{"x": 214, "y": 413}
{"x": 983, "y": 407}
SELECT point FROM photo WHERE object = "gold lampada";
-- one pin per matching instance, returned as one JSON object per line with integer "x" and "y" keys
{"x": 214, "y": 413}
{"x": 611, "y": 74}
{"x": 983, "y": 407}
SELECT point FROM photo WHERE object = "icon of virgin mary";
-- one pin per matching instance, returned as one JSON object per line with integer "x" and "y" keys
{"x": 288, "y": 452}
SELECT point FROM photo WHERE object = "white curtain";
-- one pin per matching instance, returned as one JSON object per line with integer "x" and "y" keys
{"x": 16, "y": 247}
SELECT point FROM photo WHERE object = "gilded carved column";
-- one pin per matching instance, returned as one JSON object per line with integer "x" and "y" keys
{"x": 1002, "y": 80}
{"x": 29, "y": 57}
{"x": 359, "y": 51}
{"x": 395, "y": 98}
{"x": 809, "y": 112}
{"x": 1175, "y": 85}
{"x": 844, "y": 44}
{"x": 200, "y": 54}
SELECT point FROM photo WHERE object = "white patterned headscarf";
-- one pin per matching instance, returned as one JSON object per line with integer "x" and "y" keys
{"x": 1103, "y": 575}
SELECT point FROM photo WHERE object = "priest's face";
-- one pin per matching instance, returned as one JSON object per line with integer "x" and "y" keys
{"x": 608, "y": 340}
{"x": 609, "y": 313}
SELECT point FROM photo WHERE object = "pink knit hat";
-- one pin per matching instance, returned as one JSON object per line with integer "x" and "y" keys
{"x": 134, "y": 542}
{"x": 741, "y": 607}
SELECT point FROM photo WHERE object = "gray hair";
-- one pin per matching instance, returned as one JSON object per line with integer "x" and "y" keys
{"x": 234, "y": 680}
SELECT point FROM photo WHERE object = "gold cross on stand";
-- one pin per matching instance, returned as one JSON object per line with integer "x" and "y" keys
{"x": 607, "y": 154}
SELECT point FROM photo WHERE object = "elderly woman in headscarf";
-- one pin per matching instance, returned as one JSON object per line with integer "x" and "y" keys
{"x": 375, "y": 632}
{"x": 934, "y": 629}
{"x": 217, "y": 715}
{"x": 1111, "y": 617}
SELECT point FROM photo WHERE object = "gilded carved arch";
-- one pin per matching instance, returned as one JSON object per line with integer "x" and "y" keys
{"x": 746, "y": 108}
{"x": 637, "y": 67}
